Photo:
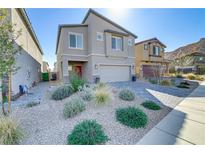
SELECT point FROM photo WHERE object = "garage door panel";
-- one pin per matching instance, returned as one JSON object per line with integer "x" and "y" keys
{"x": 110, "y": 73}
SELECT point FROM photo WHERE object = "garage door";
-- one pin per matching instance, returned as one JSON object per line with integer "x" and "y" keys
{"x": 109, "y": 73}
{"x": 150, "y": 70}
{"x": 147, "y": 70}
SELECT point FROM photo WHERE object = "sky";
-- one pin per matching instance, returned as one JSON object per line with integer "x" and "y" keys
{"x": 173, "y": 27}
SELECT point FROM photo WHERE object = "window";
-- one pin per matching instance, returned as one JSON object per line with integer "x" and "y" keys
{"x": 130, "y": 42}
{"x": 76, "y": 40}
{"x": 156, "y": 50}
{"x": 200, "y": 58}
{"x": 145, "y": 46}
{"x": 117, "y": 43}
{"x": 99, "y": 36}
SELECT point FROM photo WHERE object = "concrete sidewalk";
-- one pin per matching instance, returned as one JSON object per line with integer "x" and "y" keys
{"x": 185, "y": 124}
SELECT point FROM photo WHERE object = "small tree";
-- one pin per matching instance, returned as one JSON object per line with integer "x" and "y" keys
{"x": 8, "y": 52}
{"x": 158, "y": 71}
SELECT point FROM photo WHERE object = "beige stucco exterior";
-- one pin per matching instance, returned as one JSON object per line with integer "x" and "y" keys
{"x": 29, "y": 59}
{"x": 26, "y": 39}
{"x": 95, "y": 53}
{"x": 146, "y": 56}
{"x": 46, "y": 68}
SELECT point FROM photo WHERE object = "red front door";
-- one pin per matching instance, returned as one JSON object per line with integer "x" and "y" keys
{"x": 78, "y": 70}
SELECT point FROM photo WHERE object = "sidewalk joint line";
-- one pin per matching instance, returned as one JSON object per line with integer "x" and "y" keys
{"x": 174, "y": 135}
{"x": 187, "y": 118}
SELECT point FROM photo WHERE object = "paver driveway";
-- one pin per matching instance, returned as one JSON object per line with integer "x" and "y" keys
{"x": 169, "y": 96}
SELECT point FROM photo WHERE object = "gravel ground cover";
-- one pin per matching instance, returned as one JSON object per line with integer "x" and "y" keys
{"x": 45, "y": 123}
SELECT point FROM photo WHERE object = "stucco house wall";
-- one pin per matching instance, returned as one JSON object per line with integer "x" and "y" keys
{"x": 147, "y": 57}
{"x": 29, "y": 60}
{"x": 94, "y": 53}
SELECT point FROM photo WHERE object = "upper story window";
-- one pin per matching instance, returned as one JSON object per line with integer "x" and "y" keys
{"x": 117, "y": 43}
{"x": 156, "y": 50}
{"x": 145, "y": 46}
{"x": 76, "y": 40}
{"x": 130, "y": 42}
{"x": 99, "y": 36}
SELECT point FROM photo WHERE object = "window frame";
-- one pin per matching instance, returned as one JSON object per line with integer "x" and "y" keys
{"x": 201, "y": 58}
{"x": 158, "y": 51}
{"x": 130, "y": 42}
{"x": 146, "y": 46}
{"x": 100, "y": 33}
{"x": 116, "y": 37}
{"x": 76, "y": 34}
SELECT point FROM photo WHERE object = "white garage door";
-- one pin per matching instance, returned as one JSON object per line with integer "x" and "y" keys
{"x": 109, "y": 73}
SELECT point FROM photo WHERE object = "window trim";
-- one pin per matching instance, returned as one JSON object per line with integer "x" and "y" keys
{"x": 146, "y": 46}
{"x": 116, "y": 37}
{"x": 130, "y": 42}
{"x": 158, "y": 50}
{"x": 76, "y": 34}
{"x": 100, "y": 33}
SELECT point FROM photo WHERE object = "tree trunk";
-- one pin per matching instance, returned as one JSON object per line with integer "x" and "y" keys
{"x": 3, "y": 109}
{"x": 9, "y": 94}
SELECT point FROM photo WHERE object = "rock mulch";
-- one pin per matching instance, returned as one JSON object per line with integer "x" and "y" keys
{"x": 45, "y": 124}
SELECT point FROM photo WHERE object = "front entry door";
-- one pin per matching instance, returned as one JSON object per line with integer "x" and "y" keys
{"x": 78, "y": 70}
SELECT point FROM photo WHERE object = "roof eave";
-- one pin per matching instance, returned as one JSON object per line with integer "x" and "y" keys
{"x": 26, "y": 18}
{"x": 106, "y": 19}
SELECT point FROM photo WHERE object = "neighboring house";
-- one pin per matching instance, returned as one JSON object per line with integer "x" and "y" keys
{"x": 29, "y": 60}
{"x": 55, "y": 67}
{"x": 96, "y": 49}
{"x": 189, "y": 58}
{"x": 149, "y": 55}
{"x": 46, "y": 67}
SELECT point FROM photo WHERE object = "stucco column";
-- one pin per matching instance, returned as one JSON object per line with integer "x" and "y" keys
{"x": 65, "y": 73}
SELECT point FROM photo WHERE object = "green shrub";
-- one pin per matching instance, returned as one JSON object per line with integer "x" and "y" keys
{"x": 181, "y": 85}
{"x": 131, "y": 117}
{"x": 185, "y": 83}
{"x": 152, "y": 81}
{"x": 191, "y": 76}
{"x": 73, "y": 107}
{"x": 10, "y": 132}
{"x": 31, "y": 104}
{"x": 178, "y": 75}
{"x": 62, "y": 92}
{"x": 88, "y": 132}
{"x": 172, "y": 70}
{"x": 102, "y": 95}
{"x": 151, "y": 105}
{"x": 86, "y": 93}
{"x": 199, "y": 78}
{"x": 165, "y": 83}
{"x": 127, "y": 95}
{"x": 76, "y": 82}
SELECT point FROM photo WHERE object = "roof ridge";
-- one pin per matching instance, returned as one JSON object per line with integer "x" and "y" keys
{"x": 106, "y": 19}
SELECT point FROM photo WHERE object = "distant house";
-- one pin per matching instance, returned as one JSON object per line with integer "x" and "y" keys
{"x": 149, "y": 54}
{"x": 29, "y": 60}
{"x": 55, "y": 67}
{"x": 46, "y": 67}
{"x": 189, "y": 58}
{"x": 97, "y": 49}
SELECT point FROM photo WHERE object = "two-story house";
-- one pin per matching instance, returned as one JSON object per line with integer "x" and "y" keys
{"x": 29, "y": 59}
{"x": 96, "y": 49}
{"x": 149, "y": 53}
